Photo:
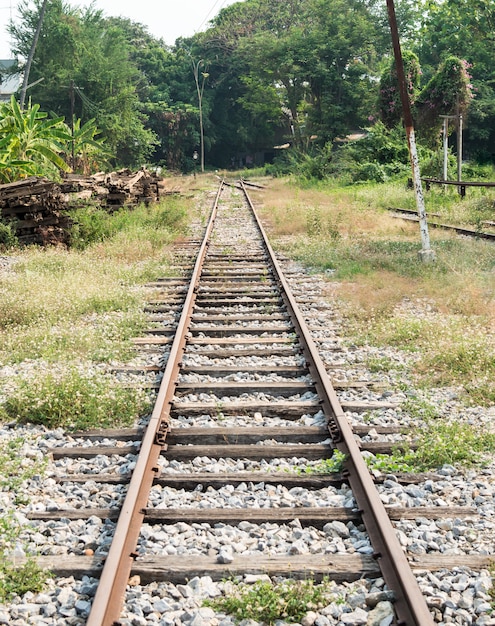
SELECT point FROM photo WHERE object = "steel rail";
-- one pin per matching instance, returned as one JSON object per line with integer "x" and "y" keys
{"x": 410, "y": 603}
{"x": 107, "y": 604}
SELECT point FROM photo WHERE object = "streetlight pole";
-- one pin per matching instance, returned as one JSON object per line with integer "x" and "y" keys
{"x": 426, "y": 253}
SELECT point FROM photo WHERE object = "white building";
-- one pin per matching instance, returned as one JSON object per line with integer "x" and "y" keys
{"x": 9, "y": 83}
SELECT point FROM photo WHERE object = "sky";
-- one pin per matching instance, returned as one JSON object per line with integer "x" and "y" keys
{"x": 167, "y": 19}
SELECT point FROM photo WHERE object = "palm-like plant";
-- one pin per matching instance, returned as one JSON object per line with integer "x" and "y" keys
{"x": 89, "y": 152}
{"x": 30, "y": 141}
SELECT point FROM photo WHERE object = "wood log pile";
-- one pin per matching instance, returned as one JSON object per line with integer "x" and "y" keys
{"x": 115, "y": 189}
{"x": 38, "y": 208}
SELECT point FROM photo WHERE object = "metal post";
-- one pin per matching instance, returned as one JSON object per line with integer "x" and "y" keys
{"x": 426, "y": 254}
{"x": 445, "y": 149}
{"x": 459, "y": 148}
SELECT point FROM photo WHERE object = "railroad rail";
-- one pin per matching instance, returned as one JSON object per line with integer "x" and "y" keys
{"x": 221, "y": 278}
{"x": 241, "y": 393}
{"x": 460, "y": 184}
{"x": 410, "y": 215}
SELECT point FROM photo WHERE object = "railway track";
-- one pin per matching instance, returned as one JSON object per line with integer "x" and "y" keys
{"x": 410, "y": 215}
{"x": 242, "y": 396}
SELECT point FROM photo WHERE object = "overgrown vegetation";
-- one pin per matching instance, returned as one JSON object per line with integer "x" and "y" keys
{"x": 437, "y": 444}
{"x": 152, "y": 226}
{"x": 434, "y": 442}
{"x": 87, "y": 302}
{"x": 442, "y": 314}
{"x": 17, "y": 467}
{"x": 64, "y": 315}
{"x": 74, "y": 400}
{"x": 267, "y": 602}
{"x": 305, "y": 73}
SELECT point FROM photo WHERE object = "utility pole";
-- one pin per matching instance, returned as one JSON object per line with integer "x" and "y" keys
{"x": 200, "y": 90}
{"x": 71, "y": 96}
{"x": 29, "y": 61}
{"x": 426, "y": 253}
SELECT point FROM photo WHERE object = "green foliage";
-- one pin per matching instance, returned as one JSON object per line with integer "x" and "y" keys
{"x": 436, "y": 444}
{"x": 30, "y": 142}
{"x": 7, "y": 235}
{"x": 16, "y": 468}
{"x": 448, "y": 92}
{"x": 92, "y": 224}
{"x": 464, "y": 28}
{"x": 74, "y": 401}
{"x": 90, "y": 153}
{"x": 81, "y": 47}
{"x": 18, "y": 580}
{"x": 303, "y": 72}
{"x": 266, "y": 602}
{"x": 389, "y": 101}
{"x": 334, "y": 465}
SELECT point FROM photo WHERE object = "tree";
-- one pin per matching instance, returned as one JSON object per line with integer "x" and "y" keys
{"x": 90, "y": 152}
{"x": 389, "y": 102}
{"x": 83, "y": 48}
{"x": 448, "y": 92}
{"x": 465, "y": 29}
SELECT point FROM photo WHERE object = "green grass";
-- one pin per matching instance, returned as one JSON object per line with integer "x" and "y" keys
{"x": 17, "y": 467}
{"x": 436, "y": 444}
{"x": 156, "y": 223}
{"x": 73, "y": 400}
{"x": 267, "y": 602}
{"x": 102, "y": 338}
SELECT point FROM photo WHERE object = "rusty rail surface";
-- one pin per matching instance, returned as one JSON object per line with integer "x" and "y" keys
{"x": 410, "y": 605}
{"x": 107, "y": 603}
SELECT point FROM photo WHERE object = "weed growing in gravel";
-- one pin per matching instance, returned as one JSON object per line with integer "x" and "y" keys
{"x": 267, "y": 602}
{"x": 18, "y": 580}
{"x": 17, "y": 467}
{"x": 74, "y": 401}
{"x": 334, "y": 465}
{"x": 438, "y": 444}
{"x": 383, "y": 364}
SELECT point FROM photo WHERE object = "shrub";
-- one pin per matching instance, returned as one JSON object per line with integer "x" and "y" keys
{"x": 72, "y": 400}
{"x": 7, "y": 236}
{"x": 265, "y": 602}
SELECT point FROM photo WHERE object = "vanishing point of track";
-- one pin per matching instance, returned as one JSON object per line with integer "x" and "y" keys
{"x": 254, "y": 288}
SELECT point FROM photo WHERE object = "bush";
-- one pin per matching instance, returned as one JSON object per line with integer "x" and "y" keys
{"x": 74, "y": 401}
{"x": 92, "y": 224}
{"x": 7, "y": 236}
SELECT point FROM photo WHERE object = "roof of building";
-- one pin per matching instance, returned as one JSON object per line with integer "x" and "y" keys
{"x": 9, "y": 83}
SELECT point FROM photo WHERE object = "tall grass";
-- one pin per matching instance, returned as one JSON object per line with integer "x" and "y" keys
{"x": 65, "y": 308}
{"x": 373, "y": 266}
{"x": 85, "y": 303}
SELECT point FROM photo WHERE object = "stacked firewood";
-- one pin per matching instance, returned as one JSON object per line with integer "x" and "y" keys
{"x": 115, "y": 189}
{"x": 37, "y": 210}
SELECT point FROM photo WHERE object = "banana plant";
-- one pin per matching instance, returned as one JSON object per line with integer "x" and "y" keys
{"x": 31, "y": 141}
{"x": 88, "y": 152}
